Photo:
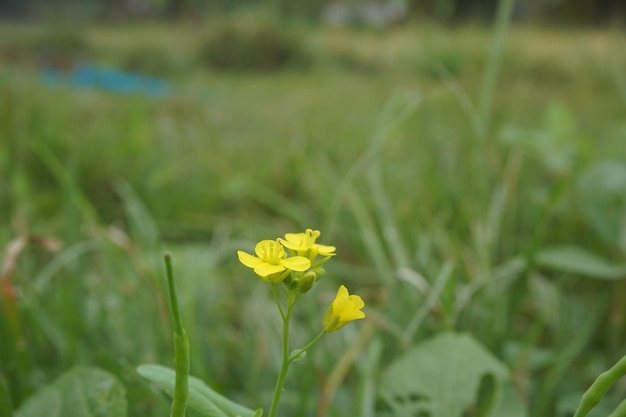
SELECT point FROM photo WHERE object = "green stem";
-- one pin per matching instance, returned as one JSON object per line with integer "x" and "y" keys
{"x": 503, "y": 17}
{"x": 181, "y": 348}
{"x": 280, "y": 308}
{"x": 285, "y": 363}
{"x": 176, "y": 320}
{"x": 620, "y": 410}
{"x": 307, "y": 347}
{"x": 599, "y": 387}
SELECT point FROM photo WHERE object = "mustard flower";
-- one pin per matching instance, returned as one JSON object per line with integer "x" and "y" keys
{"x": 304, "y": 244}
{"x": 271, "y": 261}
{"x": 344, "y": 309}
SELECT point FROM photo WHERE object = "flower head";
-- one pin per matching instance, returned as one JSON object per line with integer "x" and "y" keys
{"x": 304, "y": 244}
{"x": 344, "y": 309}
{"x": 271, "y": 261}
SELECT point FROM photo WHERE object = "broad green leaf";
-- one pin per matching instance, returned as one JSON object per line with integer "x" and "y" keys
{"x": 579, "y": 261}
{"x": 202, "y": 401}
{"x": 80, "y": 392}
{"x": 601, "y": 194}
{"x": 48, "y": 402}
{"x": 510, "y": 404}
{"x": 442, "y": 377}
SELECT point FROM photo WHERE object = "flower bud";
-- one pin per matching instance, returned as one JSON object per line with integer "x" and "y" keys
{"x": 306, "y": 282}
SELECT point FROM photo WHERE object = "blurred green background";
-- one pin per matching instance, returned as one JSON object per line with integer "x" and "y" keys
{"x": 467, "y": 158}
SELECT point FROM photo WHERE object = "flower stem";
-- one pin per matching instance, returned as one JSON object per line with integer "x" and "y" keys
{"x": 278, "y": 390}
{"x": 181, "y": 348}
{"x": 309, "y": 346}
{"x": 280, "y": 308}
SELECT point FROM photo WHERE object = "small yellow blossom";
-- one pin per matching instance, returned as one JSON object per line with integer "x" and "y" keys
{"x": 271, "y": 261}
{"x": 304, "y": 244}
{"x": 344, "y": 309}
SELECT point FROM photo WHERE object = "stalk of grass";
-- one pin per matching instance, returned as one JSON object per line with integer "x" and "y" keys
{"x": 490, "y": 76}
{"x": 433, "y": 296}
{"x": 181, "y": 347}
{"x": 6, "y": 408}
{"x": 73, "y": 196}
{"x": 369, "y": 367}
{"x": 12, "y": 361}
{"x": 395, "y": 112}
{"x": 343, "y": 365}
{"x": 388, "y": 223}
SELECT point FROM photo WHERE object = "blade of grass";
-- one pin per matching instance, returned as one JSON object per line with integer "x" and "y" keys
{"x": 494, "y": 61}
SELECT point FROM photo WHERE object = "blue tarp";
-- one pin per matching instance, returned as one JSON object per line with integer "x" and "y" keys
{"x": 109, "y": 79}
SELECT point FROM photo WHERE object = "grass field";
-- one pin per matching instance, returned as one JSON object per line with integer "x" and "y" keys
{"x": 457, "y": 201}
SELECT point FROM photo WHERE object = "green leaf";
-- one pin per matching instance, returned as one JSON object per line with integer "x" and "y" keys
{"x": 48, "y": 402}
{"x": 510, "y": 404}
{"x": 442, "y": 377}
{"x": 579, "y": 261}
{"x": 202, "y": 401}
{"x": 601, "y": 195}
{"x": 80, "y": 392}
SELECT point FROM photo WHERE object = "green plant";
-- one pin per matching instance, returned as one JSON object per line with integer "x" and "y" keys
{"x": 291, "y": 276}
{"x": 251, "y": 44}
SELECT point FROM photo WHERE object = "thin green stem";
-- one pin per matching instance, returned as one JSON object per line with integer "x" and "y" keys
{"x": 285, "y": 363}
{"x": 307, "y": 347}
{"x": 277, "y": 300}
{"x": 181, "y": 348}
{"x": 503, "y": 17}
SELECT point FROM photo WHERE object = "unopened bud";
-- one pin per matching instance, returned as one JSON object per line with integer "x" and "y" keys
{"x": 306, "y": 281}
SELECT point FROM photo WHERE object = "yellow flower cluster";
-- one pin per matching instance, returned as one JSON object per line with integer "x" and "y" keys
{"x": 300, "y": 269}
{"x": 272, "y": 264}
{"x": 271, "y": 261}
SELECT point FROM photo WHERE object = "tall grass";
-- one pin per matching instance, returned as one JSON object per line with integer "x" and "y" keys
{"x": 433, "y": 172}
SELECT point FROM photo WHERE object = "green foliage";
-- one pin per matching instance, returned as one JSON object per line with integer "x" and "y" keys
{"x": 57, "y": 46}
{"x": 579, "y": 262}
{"x": 6, "y": 409}
{"x": 202, "y": 401}
{"x": 152, "y": 60}
{"x": 80, "y": 392}
{"x": 441, "y": 226}
{"x": 251, "y": 44}
{"x": 443, "y": 377}
{"x": 602, "y": 195}
{"x": 556, "y": 145}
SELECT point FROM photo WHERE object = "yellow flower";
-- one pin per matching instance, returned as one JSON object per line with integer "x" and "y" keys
{"x": 304, "y": 244}
{"x": 271, "y": 261}
{"x": 344, "y": 309}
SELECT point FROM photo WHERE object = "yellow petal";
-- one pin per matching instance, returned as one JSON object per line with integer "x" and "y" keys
{"x": 264, "y": 269}
{"x": 325, "y": 250}
{"x": 265, "y": 248}
{"x": 356, "y": 301}
{"x": 352, "y": 315}
{"x": 292, "y": 244}
{"x": 296, "y": 263}
{"x": 295, "y": 237}
{"x": 248, "y": 260}
{"x": 342, "y": 292}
